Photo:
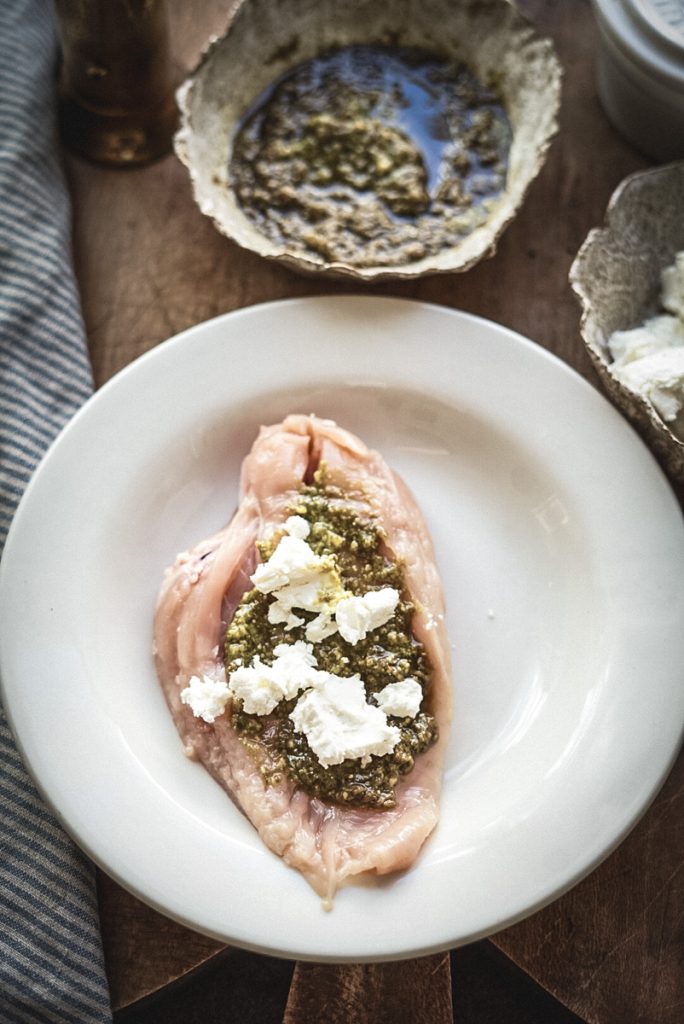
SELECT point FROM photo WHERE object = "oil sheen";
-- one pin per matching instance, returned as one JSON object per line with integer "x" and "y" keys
{"x": 372, "y": 156}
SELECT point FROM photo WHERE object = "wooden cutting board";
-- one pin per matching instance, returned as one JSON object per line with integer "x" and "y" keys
{"x": 149, "y": 265}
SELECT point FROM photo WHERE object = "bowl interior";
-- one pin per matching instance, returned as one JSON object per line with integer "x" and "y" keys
{"x": 264, "y": 41}
{"x": 616, "y": 276}
{"x": 617, "y": 272}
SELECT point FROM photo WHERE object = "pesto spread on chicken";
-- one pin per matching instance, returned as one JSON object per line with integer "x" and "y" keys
{"x": 322, "y": 642}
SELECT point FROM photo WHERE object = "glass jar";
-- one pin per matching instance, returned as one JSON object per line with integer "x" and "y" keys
{"x": 116, "y": 84}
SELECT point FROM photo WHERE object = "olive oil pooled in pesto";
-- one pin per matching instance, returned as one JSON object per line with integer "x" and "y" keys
{"x": 371, "y": 155}
{"x": 388, "y": 654}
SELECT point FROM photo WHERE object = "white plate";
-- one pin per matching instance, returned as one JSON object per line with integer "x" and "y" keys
{"x": 562, "y": 551}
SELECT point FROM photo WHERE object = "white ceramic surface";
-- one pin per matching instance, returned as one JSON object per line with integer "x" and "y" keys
{"x": 562, "y": 551}
{"x": 640, "y": 72}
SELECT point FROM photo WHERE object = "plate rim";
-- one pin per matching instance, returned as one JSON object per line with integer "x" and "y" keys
{"x": 180, "y": 339}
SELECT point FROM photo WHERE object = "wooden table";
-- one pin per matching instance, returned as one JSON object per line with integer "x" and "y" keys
{"x": 149, "y": 265}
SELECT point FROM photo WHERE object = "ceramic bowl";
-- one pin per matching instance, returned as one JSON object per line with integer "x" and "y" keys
{"x": 616, "y": 276}
{"x": 264, "y": 40}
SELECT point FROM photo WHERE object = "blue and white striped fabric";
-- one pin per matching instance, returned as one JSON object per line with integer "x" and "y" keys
{"x": 51, "y": 967}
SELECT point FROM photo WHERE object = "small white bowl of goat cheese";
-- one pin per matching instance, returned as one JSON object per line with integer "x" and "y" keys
{"x": 629, "y": 278}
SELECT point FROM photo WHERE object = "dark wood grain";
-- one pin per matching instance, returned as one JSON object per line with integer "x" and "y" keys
{"x": 612, "y": 949}
{"x": 144, "y": 950}
{"x": 150, "y": 265}
{"x": 419, "y": 992}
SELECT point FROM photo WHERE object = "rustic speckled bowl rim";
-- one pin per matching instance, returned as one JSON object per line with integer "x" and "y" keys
{"x": 339, "y": 269}
{"x": 655, "y": 431}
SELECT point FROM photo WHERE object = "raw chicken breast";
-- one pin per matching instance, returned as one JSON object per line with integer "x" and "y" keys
{"x": 328, "y": 843}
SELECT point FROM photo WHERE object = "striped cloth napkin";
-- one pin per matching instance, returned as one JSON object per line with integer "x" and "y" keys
{"x": 51, "y": 966}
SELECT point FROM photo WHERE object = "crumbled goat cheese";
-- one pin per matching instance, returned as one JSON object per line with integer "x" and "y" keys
{"x": 672, "y": 286}
{"x": 297, "y": 526}
{"x": 659, "y": 377}
{"x": 306, "y": 595}
{"x": 297, "y": 577}
{"x": 319, "y": 628}
{"x": 658, "y": 332}
{"x": 358, "y": 616}
{"x": 292, "y": 562}
{"x": 300, "y": 580}
{"x": 333, "y": 712}
{"x": 401, "y": 699}
{"x": 649, "y": 360}
{"x": 279, "y": 613}
{"x": 206, "y": 696}
{"x": 260, "y": 687}
{"x": 339, "y": 723}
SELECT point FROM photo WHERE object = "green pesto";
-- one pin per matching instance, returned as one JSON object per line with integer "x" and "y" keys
{"x": 388, "y": 654}
{"x": 372, "y": 154}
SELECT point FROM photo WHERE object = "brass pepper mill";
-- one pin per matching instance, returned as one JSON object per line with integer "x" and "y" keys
{"x": 116, "y": 85}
